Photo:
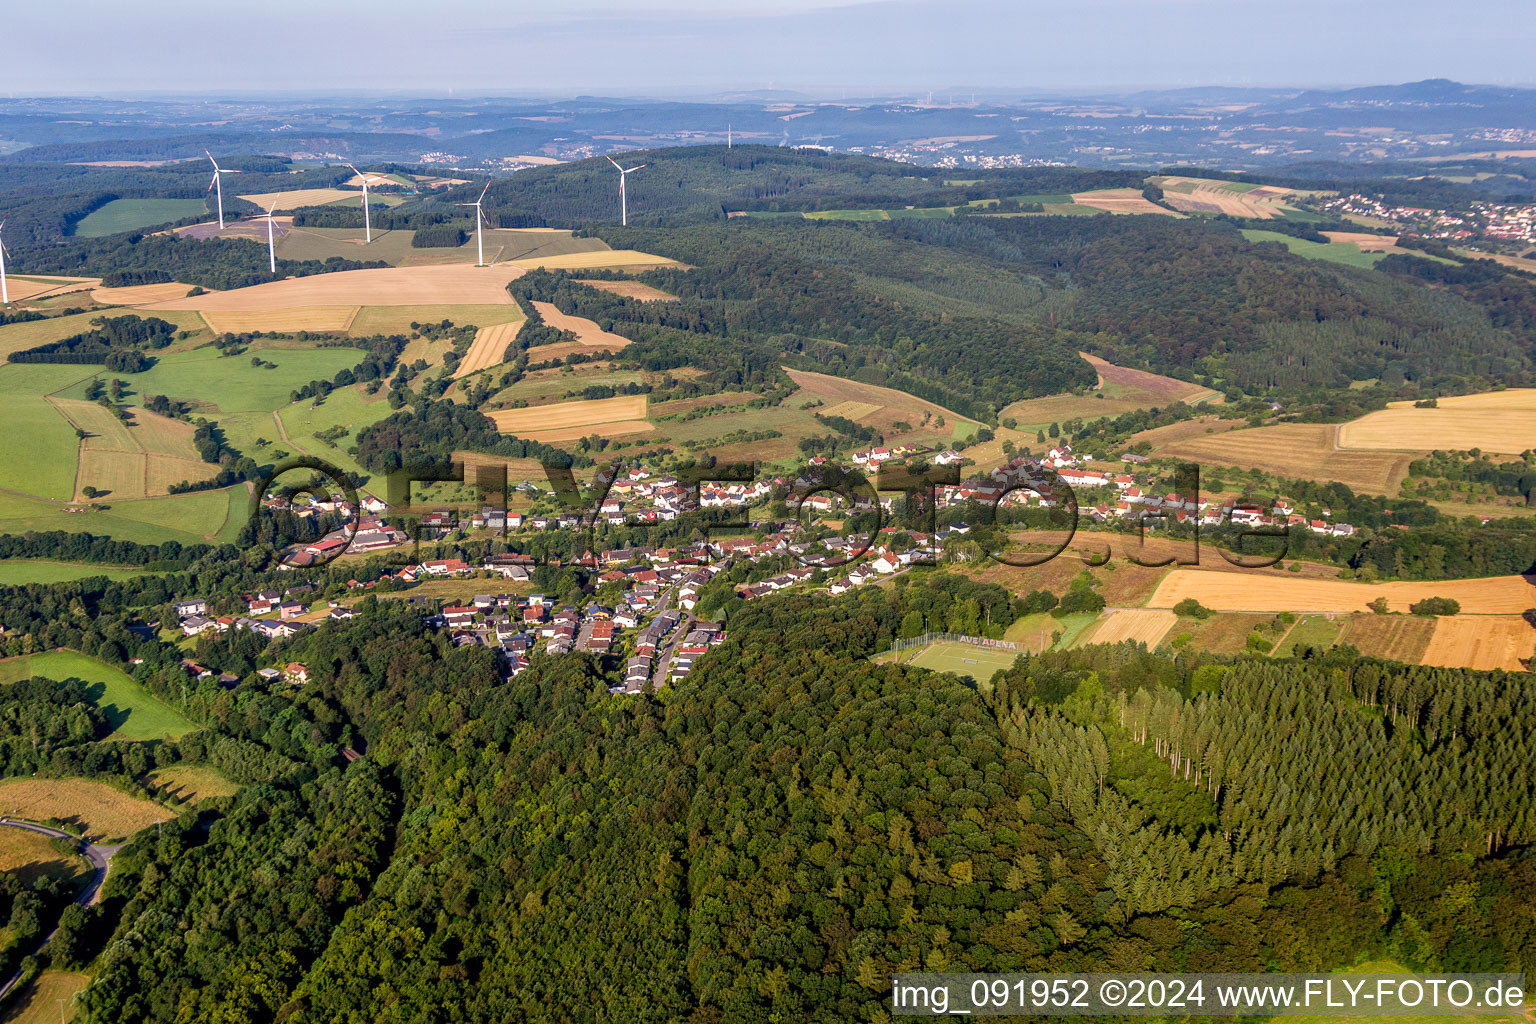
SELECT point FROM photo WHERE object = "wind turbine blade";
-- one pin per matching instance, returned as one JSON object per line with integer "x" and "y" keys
{"x": 483, "y": 192}
{"x": 613, "y": 161}
{"x": 212, "y": 183}
{"x": 354, "y": 170}
{"x": 637, "y": 167}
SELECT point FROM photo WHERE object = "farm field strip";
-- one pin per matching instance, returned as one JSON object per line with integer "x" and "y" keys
{"x": 1240, "y": 592}
{"x": 1495, "y": 421}
{"x": 295, "y": 318}
{"x": 1143, "y": 625}
{"x": 36, "y": 287}
{"x": 1484, "y": 642}
{"x": 587, "y": 332}
{"x": 132, "y": 295}
{"x": 489, "y": 346}
{"x": 386, "y": 286}
{"x": 611, "y": 429}
{"x": 1120, "y": 200}
{"x": 307, "y": 197}
{"x": 631, "y": 290}
{"x": 1291, "y": 449}
{"x": 597, "y": 259}
{"x": 581, "y": 414}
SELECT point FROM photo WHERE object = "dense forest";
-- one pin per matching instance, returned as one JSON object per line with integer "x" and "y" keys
{"x": 792, "y": 826}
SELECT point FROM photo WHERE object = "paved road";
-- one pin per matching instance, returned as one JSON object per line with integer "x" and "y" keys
{"x": 99, "y": 856}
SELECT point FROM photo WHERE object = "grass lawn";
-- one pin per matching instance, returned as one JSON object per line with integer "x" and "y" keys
{"x": 1073, "y": 627}
{"x": 41, "y": 450}
{"x": 345, "y": 407}
{"x": 16, "y": 571}
{"x": 1311, "y": 631}
{"x": 129, "y": 214}
{"x": 135, "y": 713}
{"x": 847, "y": 215}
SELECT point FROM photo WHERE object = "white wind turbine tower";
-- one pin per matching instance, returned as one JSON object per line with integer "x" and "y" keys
{"x": 623, "y": 200}
{"x": 5, "y": 292}
{"x": 217, "y": 183}
{"x": 367, "y": 228}
{"x": 727, "y": 135}
{"x": 479, "y": 223}
{"x": 271, "y": 246}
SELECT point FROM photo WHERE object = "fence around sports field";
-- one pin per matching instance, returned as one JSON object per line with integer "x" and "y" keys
{"x": 986, "y": 643}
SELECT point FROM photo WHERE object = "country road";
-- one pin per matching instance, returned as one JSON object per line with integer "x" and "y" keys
{"x": 99, "y": 856}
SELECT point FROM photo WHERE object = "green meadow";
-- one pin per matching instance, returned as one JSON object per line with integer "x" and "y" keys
{"x": 17, "y": 571}
{"x": 135, "y": 713}
{"x": 130, "y": 214}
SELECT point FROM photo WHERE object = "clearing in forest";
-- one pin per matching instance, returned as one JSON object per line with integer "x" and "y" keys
{"x": 587, "y": 332}
{"x": 1123, "y": 390}
{"x": 631, "y": 290}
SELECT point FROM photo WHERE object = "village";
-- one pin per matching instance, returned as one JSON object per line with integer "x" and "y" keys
{"x": 650, "y": 623}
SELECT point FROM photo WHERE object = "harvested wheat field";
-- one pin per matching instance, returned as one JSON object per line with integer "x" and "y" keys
{"x": 1495, "y": 421}
{"x": 890, "y": 406}
{"x": 1364, "y": 240}
{"x": 1123, "y": 388}
{"x": 489, "y": 346}
{"x": 299, "y": 318}
{"x": 612, "y": 429}
{"x": 1242, "y": 592}
{"x": 386, "y": 286}
{"x": 1294, "y": 450}
{"x": 1481, "y": 641}
{"x": 587, "y": 332}
{"x": 36, "y": 287}
{"x": 302, "y": 197}
{"x": 1402, "y": 638}
{"x": 136, "y": 461}
{"x": 33, "y": 857}
{"x": 1143, "y": 625}
{"x": 104, "y": 812}
{"x": 1120, "y": 200}
{"x": 601, "y": 259}
{"x": 563, "y": 415}
{"x": 1213, "y": 195}
{"x": 631, "y": 290}
{"x": 133, "y": 295}
{"x": 851, "y": 410}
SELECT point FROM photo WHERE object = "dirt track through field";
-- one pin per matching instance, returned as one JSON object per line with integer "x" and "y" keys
{"x": 489, "y": 346}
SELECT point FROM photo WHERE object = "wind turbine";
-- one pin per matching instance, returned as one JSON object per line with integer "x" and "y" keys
{"x": 217, "y": 183}
{"x": 5, "y": 293}
{"x": 367, "y": 228}
{"x": 623, "y": 200}
{"x": 479, "y": 223}
{"x": 271, "y": 246}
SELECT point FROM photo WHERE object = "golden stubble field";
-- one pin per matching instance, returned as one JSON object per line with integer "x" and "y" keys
{"x": 1143, "y": 625}
{"x": 1495, "y": 421}
{"x": 387, "y": 286}
{"x": 133, "y": 295}
{"x": 489, "y": 345}
{"x": 631, "y": 290}
{"x": 567, "y": 421}
{"x": 1481, "y": 641}
{"x": 587, "y": 332}
{"x": 297, "y": 318}
{"x": 104, "y": 812}
{"x": 1241, "y": 592}
{"x": 1304, "y": 450}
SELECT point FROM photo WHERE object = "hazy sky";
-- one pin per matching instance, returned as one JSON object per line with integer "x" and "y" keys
{"x": 689, "y": 47}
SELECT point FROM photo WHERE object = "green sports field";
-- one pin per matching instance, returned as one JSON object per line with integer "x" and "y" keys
{"x": 979, "y": 663}
{"x": 135, "y": 713}
{"x": 129, "y": 214}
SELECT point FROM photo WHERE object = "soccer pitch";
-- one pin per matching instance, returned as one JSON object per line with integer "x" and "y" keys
{"x": 962, "y": 659}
